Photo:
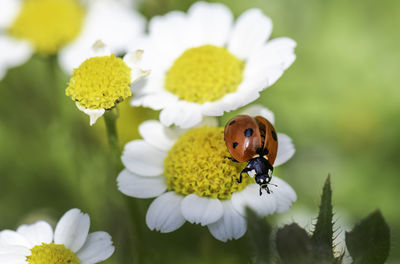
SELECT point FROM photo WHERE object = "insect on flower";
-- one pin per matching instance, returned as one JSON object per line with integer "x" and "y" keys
{"x": 253, "y": 140}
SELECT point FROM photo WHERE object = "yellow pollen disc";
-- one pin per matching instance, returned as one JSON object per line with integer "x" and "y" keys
{"x": 48, "y": 24}
{"x": 197, "y": 164}
{"x": 204, "y": 74}
{"x": 100, "y": 82}
{"x": 52, "y": 254}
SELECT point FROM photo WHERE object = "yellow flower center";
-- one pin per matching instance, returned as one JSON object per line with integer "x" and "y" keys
{"x": 198, "y": 163}
{"x": 52, "y": 254}
{"x": 204, "y": 74}
{"x": 48, "y": 24}
{"x": 100, "y": 82}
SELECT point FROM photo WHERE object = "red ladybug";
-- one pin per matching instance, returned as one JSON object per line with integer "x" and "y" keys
{"x": 253, "y": 140}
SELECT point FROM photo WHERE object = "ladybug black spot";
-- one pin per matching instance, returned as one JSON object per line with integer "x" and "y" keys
{"x": 248, "y": 132}
{"x": 232, "y": 122}
{"x": 273, "y": 133}
{"x": 235, "y": 144}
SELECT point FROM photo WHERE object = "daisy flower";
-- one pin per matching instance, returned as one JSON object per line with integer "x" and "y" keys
{"x": 64, "y": 27}
{"x": 204, "y": 64}
{"x": 103, "y": 80}
{"x": 193, "y": 180}
{"x": 70, "y": 243}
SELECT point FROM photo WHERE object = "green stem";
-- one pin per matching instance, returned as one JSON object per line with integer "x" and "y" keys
{"x": 131, "y": 234}
{"x": 110, "y": 120}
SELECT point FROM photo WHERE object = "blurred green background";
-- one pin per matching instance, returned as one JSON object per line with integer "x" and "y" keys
{"x": 339, "y": 102}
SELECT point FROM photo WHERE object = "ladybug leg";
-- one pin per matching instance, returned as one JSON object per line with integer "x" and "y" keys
{"x": 232, "y": 159}
{"x": 240, "y": 178}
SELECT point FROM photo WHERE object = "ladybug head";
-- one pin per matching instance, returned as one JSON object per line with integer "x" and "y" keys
{"x": 264, "y": 180}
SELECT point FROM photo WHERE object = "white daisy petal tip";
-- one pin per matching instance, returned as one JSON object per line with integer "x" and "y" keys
{"x": 164, "y": 214}
{"x": 262, "y": 205}
{"x": 230, "y": 226}
{"x": 37, "y": 233}
{"x": 93, "y": 114}
{"x": 140, "y": 186}
{"x": 143, "y": 159}
{"x": 286, "y": 149}
{"x": 72, "y": 229}
{"x": 285, "y": 195}
{"x": 98, "y": 247}
{"x": 201, "y": 210}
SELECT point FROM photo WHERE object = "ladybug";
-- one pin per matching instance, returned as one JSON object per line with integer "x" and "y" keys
{"x": 253, "y": 140}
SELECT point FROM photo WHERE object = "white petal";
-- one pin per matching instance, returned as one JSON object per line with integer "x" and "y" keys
{"x": 285, "y": 149}
{"x": 183, "y": 114}
{"x": 231, "y": 226}
{"x": 132, "y": 59}
{"x": 201, "y": 210}
{"x": 231, "y": 101}
{"x": 72, "y": 230}
{"x": 98, "y": 247}
{"x": 157, "y": 135}
{"x": 17, "y": 250}
{"x": 13, "y": 53}
{"x": 142, "y": 158}
{"x": 12, "y": 238}
{"x": 37, "y": 233}
{"x": 263, "y": 205}
{"x": 140, "y": 187}
{"x": 13, "y": 259}
{"x": 284, "y": 193}
{"x": 250, "y": 32}
{"x": 208, "y": 121}
{"x": 8, "y": 12}
{"x": 211, "y": 22}
{"x": 94, "y": 114}
{"x": 271, "y": 60}
{"x": 164, "y": 213}
{"x": 259, "y": 110}
{"x": 156, "y": 101}
{"x": 166, "y": 32}
{"x": 101, "y": 22}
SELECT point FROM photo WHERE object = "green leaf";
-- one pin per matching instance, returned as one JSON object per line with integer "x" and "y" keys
{"x": 294, "y": 245}
{"x": 369, "y": 241}
{"x": 259, "y": 233}
{"x": 323, "y": 233}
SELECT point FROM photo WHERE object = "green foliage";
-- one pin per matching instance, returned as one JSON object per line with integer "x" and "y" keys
{"x": 294, "y": 245}
{"x": 369, "y": 241}
{"x": 322, "y": 237}
{"x": 259, "y": 233}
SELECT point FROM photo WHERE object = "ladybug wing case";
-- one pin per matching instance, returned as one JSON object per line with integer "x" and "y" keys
{"x": 242, "y": 137}
{"x": 269, "y": 138}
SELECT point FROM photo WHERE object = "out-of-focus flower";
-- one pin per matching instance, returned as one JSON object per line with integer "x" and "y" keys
{"x": 103, "y": 80}
{"x": 70, "y": 243}
{"x": 194, "y": 181}
{"x": 66, "y": 27}
{"x": 203, "y": 64}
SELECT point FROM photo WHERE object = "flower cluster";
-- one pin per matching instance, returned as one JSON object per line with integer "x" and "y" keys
{"x": 70, "y": 242}
{"x": 203, "y": 64}
{"x": 67, "y": 28}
